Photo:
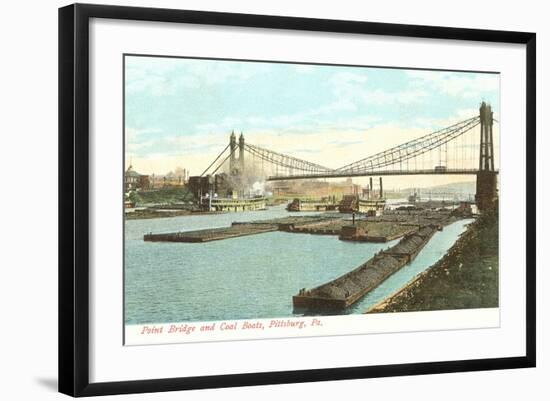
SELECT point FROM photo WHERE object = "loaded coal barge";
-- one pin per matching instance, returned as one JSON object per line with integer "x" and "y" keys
{"x": 349, "y": 288}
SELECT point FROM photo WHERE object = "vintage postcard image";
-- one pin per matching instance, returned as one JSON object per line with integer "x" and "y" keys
{"x": 274, "y": 199}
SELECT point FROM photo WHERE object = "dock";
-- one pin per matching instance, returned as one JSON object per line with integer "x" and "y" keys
{"x": 349, "y": 288}
{"x": 238, "y": 229}
{"x": 212, "y": 234}
{"x": 372, "y": 229}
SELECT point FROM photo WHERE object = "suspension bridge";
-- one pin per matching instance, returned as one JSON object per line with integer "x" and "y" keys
{"x": 464, "y": 148}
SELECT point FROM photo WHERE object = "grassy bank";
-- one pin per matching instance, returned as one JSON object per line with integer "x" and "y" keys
{"x": 168, "y": 195}
{"x": 466, "y": 277}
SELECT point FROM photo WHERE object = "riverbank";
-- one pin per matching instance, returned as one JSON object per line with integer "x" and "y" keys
{"x": 140, "y": 214}
{"x": 466, "y": 277}
{"x": 154, "y": 214}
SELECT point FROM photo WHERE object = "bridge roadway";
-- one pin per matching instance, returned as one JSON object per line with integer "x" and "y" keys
{"x": 344, "y": 174}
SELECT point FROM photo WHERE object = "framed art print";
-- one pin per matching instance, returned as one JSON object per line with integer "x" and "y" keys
{"x": 309, "y": 193}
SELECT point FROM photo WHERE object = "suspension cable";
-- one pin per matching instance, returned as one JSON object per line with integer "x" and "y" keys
{"x": 221, "y": 164}
{"x": 427, "y": 143}
{"x": 216, "y": 159}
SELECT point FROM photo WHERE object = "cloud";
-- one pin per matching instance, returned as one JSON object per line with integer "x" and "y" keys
{"x": 354, "y": 88}
{"x": 407, "y": 96}
{"x": 348, "y": 78}
{"x": 466, "y": 85}
{"x": 166, "y": 76}
{"x": 138, "y": 140}
{"x": 337, "y": 118}
{"x": 314, "y": 118}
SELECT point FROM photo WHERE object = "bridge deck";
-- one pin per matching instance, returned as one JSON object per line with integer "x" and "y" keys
{"x": 336, "y": 174}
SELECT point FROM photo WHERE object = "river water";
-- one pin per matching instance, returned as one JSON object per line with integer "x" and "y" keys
{"x": 247, "y": 277}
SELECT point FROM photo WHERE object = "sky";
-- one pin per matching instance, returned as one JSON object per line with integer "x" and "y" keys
{"x": 180, "y": 112}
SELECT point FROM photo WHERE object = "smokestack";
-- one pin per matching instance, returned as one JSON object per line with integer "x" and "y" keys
{"x": 370, "y": 188}
{"x": 381, "y": 189}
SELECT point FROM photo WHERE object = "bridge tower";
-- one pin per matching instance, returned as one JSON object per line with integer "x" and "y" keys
{"x": 233, "y": 150}
{"x": 486, "y": 183}
{"x": 241, "y": 153}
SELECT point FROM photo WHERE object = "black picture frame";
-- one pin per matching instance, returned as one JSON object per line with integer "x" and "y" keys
{"x": 74, "y": 198}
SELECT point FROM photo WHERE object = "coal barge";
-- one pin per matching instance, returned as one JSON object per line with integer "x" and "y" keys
{"x": 349, "y": 288}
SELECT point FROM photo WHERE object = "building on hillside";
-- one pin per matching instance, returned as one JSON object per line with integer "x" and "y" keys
{"x": 134, "y": 180}
{"x": 177, "y": 178}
